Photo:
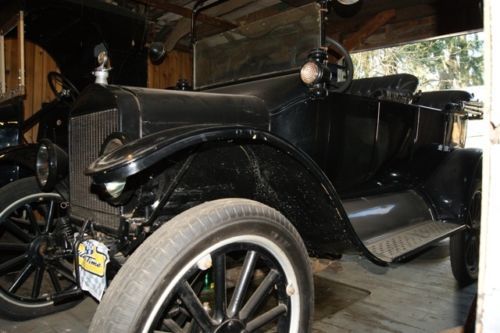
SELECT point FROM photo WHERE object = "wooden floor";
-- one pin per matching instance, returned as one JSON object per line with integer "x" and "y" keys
{"x": 352, "y": 295}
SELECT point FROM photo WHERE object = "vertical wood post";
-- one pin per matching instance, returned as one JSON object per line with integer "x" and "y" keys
{"x": 3, "y": 83}
{"x": 488, "y": 319}
{"x": 20, "y": 38}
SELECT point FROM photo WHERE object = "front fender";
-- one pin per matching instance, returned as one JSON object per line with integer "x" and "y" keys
{"x": 285, "y": 178}
{"x": 145, "y": 152}
{"x": 17, "y": 161}
{"x": 23, "y": 155}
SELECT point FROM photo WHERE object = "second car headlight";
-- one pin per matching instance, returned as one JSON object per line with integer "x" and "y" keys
{"x": 51, "y": 164}
{"x": 42, "y": 165}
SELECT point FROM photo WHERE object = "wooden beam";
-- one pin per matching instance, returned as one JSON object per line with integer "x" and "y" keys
{"x": 183, "y": 26}
{"x": 263, "y": 13}
{"x": 296, "y": 3}
{"x": 271, "y": 10}
{"x": 347, "y": 26}
{"x": 186, "y": 12}
{"x": 369, "y": 28}
{"x": 402, "y": 32}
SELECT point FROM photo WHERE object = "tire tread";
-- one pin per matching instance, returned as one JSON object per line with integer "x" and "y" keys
{"x": 148, "y": 261}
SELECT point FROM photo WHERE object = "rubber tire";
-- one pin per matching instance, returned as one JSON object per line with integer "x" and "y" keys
{"x": 9, "y": 307}
{"x": 457, "y": 258}
{"x": 136, "y": 287}
{"x": 458, "y": 246}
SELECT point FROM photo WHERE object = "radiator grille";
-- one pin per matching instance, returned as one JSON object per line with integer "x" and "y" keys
{"x": 86, "y": 137}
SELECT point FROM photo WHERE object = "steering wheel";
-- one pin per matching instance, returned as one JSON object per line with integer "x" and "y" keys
{"x": 347, "y": 67}
{"x": 62, "y": 88}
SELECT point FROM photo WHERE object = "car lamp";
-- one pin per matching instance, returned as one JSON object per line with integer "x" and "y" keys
{"x": 114, "y": 189}
{"x": 51, "y": 165}
{"x": 310, "y": 73}
{"x": 315, "y": 73}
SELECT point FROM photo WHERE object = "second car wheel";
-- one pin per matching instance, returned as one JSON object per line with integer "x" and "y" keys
{"x": 35, "y": 252}
{"x": 230, "y": 265}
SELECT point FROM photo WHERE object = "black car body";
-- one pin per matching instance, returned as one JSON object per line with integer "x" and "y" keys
{"x": 361, "y": 170}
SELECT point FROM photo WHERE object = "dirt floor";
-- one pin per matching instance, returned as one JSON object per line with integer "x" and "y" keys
{"x": 352, "y": 295}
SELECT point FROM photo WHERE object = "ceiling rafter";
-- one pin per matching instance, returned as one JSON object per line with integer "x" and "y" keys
{"x": 186, "y": 12}
{"x": 354, "y": 40}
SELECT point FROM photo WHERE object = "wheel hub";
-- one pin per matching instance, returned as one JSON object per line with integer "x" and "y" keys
{"x": 231, "y": 326}
{"x": 38, "y": 246}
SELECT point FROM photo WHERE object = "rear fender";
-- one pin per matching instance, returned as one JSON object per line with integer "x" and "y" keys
{"x": 244, "y": 163}
{"x": 449, "y": 186}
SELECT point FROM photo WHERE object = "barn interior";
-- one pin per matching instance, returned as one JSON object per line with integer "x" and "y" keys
{"x": 150, "y": 45}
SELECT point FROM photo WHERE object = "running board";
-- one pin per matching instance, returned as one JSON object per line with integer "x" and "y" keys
{"x": 401, "y": 243}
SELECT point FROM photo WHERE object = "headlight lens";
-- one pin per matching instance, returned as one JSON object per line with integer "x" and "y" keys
{"x": 112, "y": 145}
{"x": 115, "y": 189}
{"x": 310, "y": 73}
{"x": 51, "y": 164}
{"x": 43, "y": 165}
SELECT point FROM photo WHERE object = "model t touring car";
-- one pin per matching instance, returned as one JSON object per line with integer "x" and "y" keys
{"x": 201, "y": 208}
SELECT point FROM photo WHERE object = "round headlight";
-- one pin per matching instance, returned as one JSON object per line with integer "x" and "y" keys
{"x": 310, "y": 73}
{"x": 112, "y": 142}
{"x": 51, "y": 164}
{"x": 114, "y": 189}
{"x": 43, "y": 165}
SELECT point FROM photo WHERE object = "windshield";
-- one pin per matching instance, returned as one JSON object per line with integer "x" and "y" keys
{"x": 275, "y": 44}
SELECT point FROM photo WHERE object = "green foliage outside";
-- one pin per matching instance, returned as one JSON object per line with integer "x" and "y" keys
{"x": 446, "y": 63}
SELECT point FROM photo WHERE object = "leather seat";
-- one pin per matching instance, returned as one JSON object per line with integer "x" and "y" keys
{"x": 380, "y": 87}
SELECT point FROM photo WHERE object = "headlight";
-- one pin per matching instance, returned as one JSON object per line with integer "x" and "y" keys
{"x": 113, "y": 142}
{"x": 310, "y": 73}
{"x": 114, "y": 189}
{"x": 315, "y": 72}
{"x": 42, "y": 165}
{"x": 51, "y": 164}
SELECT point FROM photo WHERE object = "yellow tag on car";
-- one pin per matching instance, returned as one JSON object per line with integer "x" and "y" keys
{"x": 92, "y": 260}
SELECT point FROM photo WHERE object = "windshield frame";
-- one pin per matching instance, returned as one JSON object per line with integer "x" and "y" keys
{"x": 303, "y": 33}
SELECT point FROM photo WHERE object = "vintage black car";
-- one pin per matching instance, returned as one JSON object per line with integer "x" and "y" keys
{"x": 202, "y": 207}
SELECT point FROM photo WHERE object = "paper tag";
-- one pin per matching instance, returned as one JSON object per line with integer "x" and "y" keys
{"x": 92, "y": 260}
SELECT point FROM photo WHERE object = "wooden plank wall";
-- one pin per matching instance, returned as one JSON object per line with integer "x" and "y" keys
{"x": 176, "y": 65}
{"x": 38, "y": 64}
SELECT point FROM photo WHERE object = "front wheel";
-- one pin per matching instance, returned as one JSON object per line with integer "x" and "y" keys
{"x": 229, "y": 265}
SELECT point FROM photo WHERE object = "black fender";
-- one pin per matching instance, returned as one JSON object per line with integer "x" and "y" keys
{"x": 449, "y": 186}
{"x": 17, "y": 162}
{"x": 233, "y": 161}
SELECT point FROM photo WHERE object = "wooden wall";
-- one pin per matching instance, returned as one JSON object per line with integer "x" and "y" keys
{"x": 176, "y": 65}
{"x": 38, "y": 64}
